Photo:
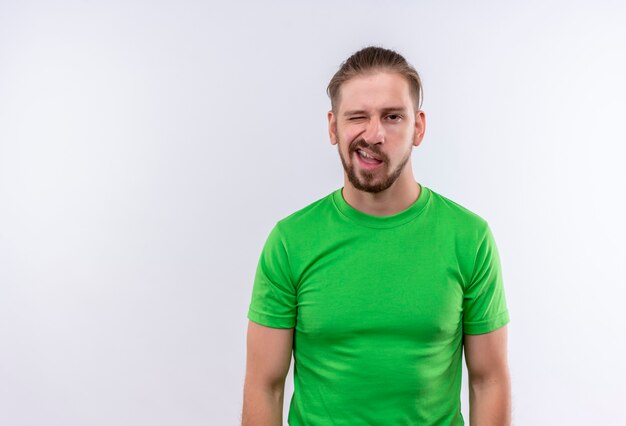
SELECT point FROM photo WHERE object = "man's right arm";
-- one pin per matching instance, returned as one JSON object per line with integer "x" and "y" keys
{"x": 267, "y": 364}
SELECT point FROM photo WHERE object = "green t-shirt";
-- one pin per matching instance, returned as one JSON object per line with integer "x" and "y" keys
{"x": 380, "y": 306}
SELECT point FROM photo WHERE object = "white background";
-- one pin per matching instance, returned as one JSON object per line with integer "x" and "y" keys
{"x": 148, "y": 147}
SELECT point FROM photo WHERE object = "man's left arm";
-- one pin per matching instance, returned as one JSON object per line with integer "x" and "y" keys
{"x": 489, "y": 379}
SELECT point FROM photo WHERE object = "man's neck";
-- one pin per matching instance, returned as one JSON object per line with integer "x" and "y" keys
{"x": 398, "y": 197}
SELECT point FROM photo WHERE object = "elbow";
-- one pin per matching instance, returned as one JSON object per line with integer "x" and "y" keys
{"x": 497, "y": 377}
{"x": 266, "y": 385}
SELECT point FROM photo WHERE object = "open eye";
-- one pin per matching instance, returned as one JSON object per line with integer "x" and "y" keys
{"x": 394, "y": 117}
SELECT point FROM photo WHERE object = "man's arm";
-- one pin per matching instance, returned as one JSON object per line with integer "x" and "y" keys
{"x": 489, "y": 380}
{"x": 267, "y": 364}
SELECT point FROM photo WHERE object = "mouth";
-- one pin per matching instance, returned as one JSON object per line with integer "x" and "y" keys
{"x": 367, "y": 160}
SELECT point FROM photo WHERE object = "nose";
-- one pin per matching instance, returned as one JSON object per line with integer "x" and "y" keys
{"x": 374, "y": 133}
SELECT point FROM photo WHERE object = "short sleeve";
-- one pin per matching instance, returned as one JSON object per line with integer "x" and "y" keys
{"x": 273, "y": 301}
{"x": 484, "y": 303}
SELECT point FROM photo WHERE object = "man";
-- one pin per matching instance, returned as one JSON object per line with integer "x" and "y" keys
{"x": 378, "y": 287}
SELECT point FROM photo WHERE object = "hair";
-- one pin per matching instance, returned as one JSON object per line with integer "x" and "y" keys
{"x": 369, "y": 60}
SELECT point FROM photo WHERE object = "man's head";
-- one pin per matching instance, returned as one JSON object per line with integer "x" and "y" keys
{"x": 375, "y": 118}
{"x": 371, "y": 60}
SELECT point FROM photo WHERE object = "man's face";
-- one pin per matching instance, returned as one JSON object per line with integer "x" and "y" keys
{"x": 375, "y": 126}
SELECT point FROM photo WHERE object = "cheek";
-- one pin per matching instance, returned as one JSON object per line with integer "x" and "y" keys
{"x": 346, "y": 153}
{"x": 351, "y": 133}
{"x": 400, "y": 132}
{"x": 403, "y": 136}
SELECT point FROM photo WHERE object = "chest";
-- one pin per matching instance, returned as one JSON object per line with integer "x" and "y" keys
{"x": 410, "y": 289}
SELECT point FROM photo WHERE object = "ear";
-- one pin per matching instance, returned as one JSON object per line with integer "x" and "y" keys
{"x": 420, "y": 127}
{"x": 332, "y": 128}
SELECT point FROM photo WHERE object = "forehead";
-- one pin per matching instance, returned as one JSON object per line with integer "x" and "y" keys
{"x": 375, "y": 91}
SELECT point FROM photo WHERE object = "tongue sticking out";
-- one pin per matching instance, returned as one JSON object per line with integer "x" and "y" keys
{"x": 368, "y": 160}
{"x": 371, "y": 160}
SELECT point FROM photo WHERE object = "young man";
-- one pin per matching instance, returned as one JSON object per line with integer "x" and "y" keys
{"x": 378, "y": 287}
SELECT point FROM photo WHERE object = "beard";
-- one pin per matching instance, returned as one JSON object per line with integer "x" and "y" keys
{"x": 371, "y": 181}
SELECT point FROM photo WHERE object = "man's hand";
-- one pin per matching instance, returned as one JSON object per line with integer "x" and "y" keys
{"x": 489, "y": 380}
{"x": 267, "y": 364}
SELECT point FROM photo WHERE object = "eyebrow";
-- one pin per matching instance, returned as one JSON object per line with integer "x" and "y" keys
{"x": 384, "y": 110}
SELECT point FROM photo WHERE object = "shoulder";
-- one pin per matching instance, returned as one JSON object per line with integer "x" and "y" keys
{"x": 457, "y": 216}
{"x": 307, "y": 216}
